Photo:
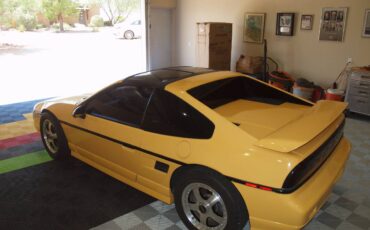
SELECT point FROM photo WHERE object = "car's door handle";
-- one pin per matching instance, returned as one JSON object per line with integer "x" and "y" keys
{"x": 128, "y": 149}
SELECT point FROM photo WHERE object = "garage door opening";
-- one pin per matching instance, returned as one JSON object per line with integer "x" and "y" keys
{"x": 103, "y": 41}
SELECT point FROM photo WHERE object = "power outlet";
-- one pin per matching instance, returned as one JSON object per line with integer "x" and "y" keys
{"x": 349, "y": 60}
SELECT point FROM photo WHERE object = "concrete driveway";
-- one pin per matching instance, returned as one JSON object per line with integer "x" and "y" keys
{"x": 36, "y": 65}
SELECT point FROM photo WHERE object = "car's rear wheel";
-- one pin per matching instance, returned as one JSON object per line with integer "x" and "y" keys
{"x": 53, "y": 137}
{"x": 129, "y": 34}
{"x": 206, "y": 200}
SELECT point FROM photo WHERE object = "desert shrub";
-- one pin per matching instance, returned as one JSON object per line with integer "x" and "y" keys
{"x": 108, "y": 23}
{"x": 5, "y": 26}
{"x": 21, "y": 28}
{"x": 56, "y": 26}
{"x": 40, "y": 26}
{"x": 28, "y": 21}
{"x": 96, "y": 21}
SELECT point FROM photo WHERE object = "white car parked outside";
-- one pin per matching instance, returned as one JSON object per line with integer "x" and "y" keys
{"x": 128, "y": 29}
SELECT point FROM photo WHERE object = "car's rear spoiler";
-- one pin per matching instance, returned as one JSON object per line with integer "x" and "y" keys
{"x": 300, "y": 131}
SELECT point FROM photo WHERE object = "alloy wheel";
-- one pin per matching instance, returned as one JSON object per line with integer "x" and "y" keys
{"x": 204, "y": 207}
{"x": 50, "y": 136}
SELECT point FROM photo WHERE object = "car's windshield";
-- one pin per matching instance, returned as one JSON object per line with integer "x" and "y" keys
{"x": 137, "y": 22}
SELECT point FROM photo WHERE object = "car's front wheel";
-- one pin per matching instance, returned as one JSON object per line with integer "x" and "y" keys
{"x": 129, "y": 34}
{"x": 206, "y": 200}
{"x": 53, "y": 137}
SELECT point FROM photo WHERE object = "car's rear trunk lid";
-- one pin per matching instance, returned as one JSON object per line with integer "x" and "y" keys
{"x": 305, "y": 128}
{"x": 284, "y": 127}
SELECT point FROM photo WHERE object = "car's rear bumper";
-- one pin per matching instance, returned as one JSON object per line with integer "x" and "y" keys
{"x": 270, "y": 210}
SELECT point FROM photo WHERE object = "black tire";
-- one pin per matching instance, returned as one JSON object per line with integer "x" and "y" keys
{"x": 59, "y": 150}
{"x": 129, "y": 34}
{"x": 231, "y": 200}
{"x": 347, "y": 113}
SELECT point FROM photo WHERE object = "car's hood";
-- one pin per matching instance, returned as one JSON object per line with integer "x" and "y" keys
{"x": 73, "y": 100}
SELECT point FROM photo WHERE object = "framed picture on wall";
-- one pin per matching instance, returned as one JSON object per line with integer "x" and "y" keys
{"x": 285, "y": 24}
{"x": 366, "y": 30}
{"x": 254, "y": 26}
{"x": 333, "y": 24}
{"x": 306, "y": 22}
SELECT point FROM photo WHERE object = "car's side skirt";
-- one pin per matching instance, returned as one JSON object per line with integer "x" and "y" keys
{"x": 134, "y": 183}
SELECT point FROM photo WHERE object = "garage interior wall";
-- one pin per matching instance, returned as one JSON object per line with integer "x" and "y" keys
{"x": 302, "y": 55}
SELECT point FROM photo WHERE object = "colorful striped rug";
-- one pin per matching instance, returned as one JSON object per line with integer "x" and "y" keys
{"x": 38, "y": 193}
{"x": 20, "y": 144}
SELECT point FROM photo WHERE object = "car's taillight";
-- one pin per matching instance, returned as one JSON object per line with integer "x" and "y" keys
{"x": 311, "y": 164}
{"x": 258, "y": 186}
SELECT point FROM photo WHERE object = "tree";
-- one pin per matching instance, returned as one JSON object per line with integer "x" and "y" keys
{"x": 1, "y": 7}
{"x": 117, "y": 10}
{"x": 19, "y": 12}
{"x": 58, "y": 9}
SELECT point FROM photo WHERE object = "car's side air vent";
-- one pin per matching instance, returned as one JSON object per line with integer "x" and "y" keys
{"x": 303, "y": 171}
{"x": 161, "y": 166}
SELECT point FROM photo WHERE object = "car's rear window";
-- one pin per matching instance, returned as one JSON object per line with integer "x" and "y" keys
{"x": 221, "y": 92}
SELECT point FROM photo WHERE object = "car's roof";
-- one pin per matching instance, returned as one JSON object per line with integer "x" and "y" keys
{"x": 159, "y": 78}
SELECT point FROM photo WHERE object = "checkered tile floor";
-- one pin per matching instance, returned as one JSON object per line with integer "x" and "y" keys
{"x": 348, "y": 206}
{"x": 156, "y": 215}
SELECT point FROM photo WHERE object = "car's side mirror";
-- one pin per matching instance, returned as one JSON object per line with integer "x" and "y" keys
{"x": 79, "y": 112}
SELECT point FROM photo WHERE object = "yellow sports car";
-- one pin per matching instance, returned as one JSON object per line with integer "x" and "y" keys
{"x": 225, "y": 147}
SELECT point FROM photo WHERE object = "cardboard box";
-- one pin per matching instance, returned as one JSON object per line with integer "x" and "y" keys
{"x": 248, "y": 64}
{"x": 214, "y": 45}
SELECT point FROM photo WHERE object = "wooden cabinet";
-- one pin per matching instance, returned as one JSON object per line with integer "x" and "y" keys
{"x": 214, "y": 45}
{"x": 358, "y": 92}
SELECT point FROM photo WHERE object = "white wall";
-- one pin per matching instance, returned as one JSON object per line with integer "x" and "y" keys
{"x": 160, "y": 38}
{"x": 303, "y": 55}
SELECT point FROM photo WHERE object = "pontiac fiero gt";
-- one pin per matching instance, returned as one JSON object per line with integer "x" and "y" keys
{"x": 225, "y": 147}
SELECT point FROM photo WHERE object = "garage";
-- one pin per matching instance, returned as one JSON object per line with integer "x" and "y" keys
{"x": 184, "y": 114}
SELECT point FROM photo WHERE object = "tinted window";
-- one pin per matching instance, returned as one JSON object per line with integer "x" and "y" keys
{"x": 169, "y": 115}
{"x": 223, "y": 91}
{"x": 123, "y": 103}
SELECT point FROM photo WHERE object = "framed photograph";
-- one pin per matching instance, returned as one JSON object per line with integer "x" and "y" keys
{"x": 306, "y": 22}
{"x": 333, "y": 24}
{"x": 366, "y": 31}
{"x": 254, "y": 26}
{"x": 285, "y": 24}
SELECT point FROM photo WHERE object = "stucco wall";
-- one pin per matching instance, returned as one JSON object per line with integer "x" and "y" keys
{"x": 303, "y": 55}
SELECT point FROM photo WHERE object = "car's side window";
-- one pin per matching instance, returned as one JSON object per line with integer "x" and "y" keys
{"x": 123, "y": 103}
{"x": 169, "y": 115}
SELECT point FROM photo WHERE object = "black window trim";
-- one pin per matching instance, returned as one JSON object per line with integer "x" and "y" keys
{"x": 139, "y": 126}
{"x": 146, "y": 109}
